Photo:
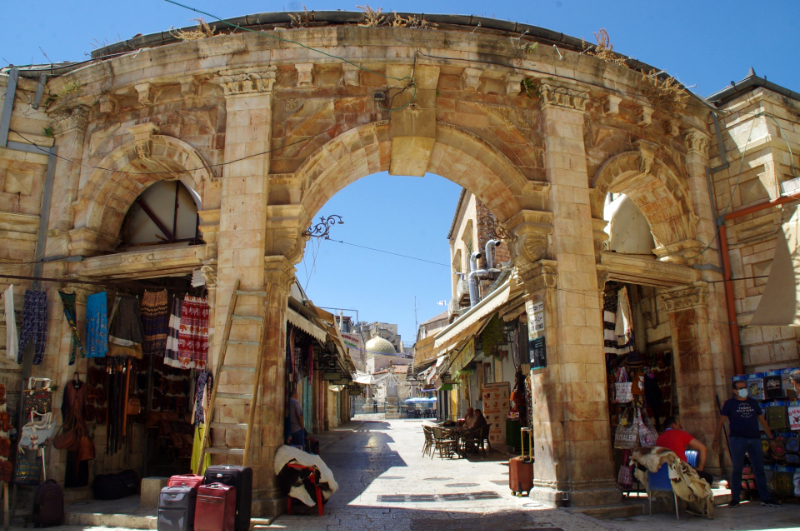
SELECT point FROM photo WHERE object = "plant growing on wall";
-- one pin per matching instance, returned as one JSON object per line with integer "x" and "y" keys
{"x": 666, "y": 94}
{"x": 203, "y": 31}
{"x": 303, "y": 19}
{"x": 372, "y": 18}
{"x": 604, "y": 49}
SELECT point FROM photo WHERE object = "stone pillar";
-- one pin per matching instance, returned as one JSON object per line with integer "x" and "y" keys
{"x": 241, "y": 247}
{"x": 693, "y": 357}
{"x": 574, "y": 461}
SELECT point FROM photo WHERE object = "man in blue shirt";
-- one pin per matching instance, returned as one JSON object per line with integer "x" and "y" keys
{"x": 744, "y": 415}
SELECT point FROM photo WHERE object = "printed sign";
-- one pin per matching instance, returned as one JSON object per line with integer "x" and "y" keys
{"x": 794, "y": 417}
{"x": 495, "y": 409}
{"x": 535, "y": 311}
{"x": 538, "y": 352}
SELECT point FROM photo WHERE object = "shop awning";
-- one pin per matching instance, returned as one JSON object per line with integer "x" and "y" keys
{"x": 306, "y": 326}
{"x": 471, "y": 322}
{"x": 780, "y": 302}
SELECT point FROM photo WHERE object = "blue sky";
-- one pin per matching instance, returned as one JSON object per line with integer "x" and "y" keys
{"x": 705, "y": 45}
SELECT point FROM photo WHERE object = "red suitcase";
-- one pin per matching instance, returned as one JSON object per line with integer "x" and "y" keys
{"x": 216, "y": 508}
{"x": 520, "y": 469}
{"x": 187, "y": 480}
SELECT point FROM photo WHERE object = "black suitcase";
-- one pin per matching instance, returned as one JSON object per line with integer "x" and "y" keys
{"x": 176, "y": 508}
{"x": 241, "y": 478}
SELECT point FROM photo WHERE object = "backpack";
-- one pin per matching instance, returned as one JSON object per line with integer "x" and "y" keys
{"x": 48, "y": 504}
{"x": 115, "y": 486}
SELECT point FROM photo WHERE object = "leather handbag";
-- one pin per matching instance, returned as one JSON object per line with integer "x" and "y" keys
{"x": 68, "y": 437}
{"x": 134, "y": 406}
{"x": 627, "y": 434}
{"x": 86, "y": 450}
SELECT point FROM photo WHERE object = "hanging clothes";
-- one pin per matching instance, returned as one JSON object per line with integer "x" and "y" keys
{"x": 310, "y": 361}
{"x": 610, "y": 324}
{"x": 68, "y": 301}
{"x": 624, "y": 324}
{"x": 76, "y": 473}
{"x": 199, "y": 433}
{"x": 96, "y": 325}
{"x": 653, "y": 397}
{"x": 125, "y": 335}
{"x": 171, "y": 354}
{"x": 155, "y": 322}
{"x": 205, "y": 385}
{"x": 193, "y": 335}
{"x": 12, "y": 341}
{"x": 34, "y": 325}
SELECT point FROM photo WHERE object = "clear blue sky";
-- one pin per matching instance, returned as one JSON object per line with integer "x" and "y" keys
{"x": 703, "y": 44}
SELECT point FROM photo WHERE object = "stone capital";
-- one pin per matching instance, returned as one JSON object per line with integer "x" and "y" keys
{"x": 647, "y": 153}
{"x": 685, "y": 298}
{"x": 209, "y": 272}
{"x": 603, "y": 276}
{"x": 471, "y": 78}
{"x": 696, "y": 141}
{"x": 513, "y": 84}
{"x": 305, "y": 74}
{"x": 68, "y": 120}
{"x": 645, "y": 117}
{"x": 562, "y": 97}
{"x": 536, "y": 277}
{"x": 279, "y": 272}
{"x": 682, "y": 252}
{"x": 107, "y": 104}
{"x": 142, "y": 135}
{"x": 611, "y": 107}
{"x": 350, "y": 76}
{"x": 146, "y": 92}
{"x": 532, "y": 231}
{"x": 247, "y": 80}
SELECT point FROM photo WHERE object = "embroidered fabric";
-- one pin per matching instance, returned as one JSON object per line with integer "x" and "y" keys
{"x": 34, "y": 325}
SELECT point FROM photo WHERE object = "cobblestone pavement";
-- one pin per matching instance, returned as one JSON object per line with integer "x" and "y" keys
{"x": 373, "y": 459}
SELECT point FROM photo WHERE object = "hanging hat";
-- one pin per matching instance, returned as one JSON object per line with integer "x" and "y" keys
{"x": 634, "y": 359}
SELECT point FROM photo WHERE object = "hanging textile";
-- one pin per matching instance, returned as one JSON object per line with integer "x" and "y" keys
{"x": 610, "y": 324}
{"x": 34, "y": 325}
{"x": 205, "y": 384}
{"x": 12, "y": 340}
{"x": 96, "y": 325}
{"x": 76, "y": 473}
{"x": 199, "y": 433}
{"x": 125, "y": 335}
{"x": 624, "y": 325}
{"x": 171, "y": 354}
{"x": 293, "y": 366}
{"x": 193, "y": 335}
{"x": 155, "y": 321}
{"x": 310, "y": 361}
{"x": 68, "y": 300}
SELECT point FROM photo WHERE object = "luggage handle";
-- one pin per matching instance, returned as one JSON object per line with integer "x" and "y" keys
{"x": 529, "y": 432}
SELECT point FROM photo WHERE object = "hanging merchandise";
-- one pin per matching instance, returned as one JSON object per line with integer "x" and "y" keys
{"x": 794, "y": 417}
{"x": 624, "y": 324}
{"x": 647, "y": 434}
{"x": 627, "y": 434}
{"x": 171, "y": 354}
{"x": 653, "y": 397}
{"x": 38, "y": 399}
{"x": 292, "y": 367}
{"x": 205, "y": 385}
{"x": 74, "y": 435}
{"x": 625, "y": 477}
{"x": 610, "y": 324}
{"x": 193, "y": 335}
{"x": 310, "y": 362}
{"x": 12, "y": 341}
{"x": 755, "y": 385}
{"x": 637, "y": 383}
{"x": 36, "y": 432}
{"x": 34, "y": 325}
{"x": 6, "y": 466}
{"x": 155, "y": 321}
{"x": 97, "y": 325}
{"x": 68, "y": 301}
{"x": 125, "y": 335}
{"x": 622, "y": 387}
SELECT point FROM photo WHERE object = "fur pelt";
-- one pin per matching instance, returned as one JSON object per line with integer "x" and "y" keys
{"x": 685, "y": 481}
{"x": 296, "y": 483}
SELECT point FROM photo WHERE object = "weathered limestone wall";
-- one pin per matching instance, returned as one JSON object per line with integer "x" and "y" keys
{"x": 751, "y": 238}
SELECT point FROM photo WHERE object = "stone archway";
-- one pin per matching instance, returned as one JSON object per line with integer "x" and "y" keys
{"x": 148, "y": 158}
{"x": 658, "y": 193}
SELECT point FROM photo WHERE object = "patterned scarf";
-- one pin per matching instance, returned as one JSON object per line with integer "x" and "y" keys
{"x": 155, "y": 318}
{"x": 193, "y": 335}
{"x": 34, "y": 325}
{"x": 68, "y": 300}
{"x": 97, "y": 325}
{"x": 171, "y": 355}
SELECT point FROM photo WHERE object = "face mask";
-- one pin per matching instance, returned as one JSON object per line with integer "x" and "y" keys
{"x": 742, "y": 392}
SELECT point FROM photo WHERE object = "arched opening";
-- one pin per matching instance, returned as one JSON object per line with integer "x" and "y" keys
{"x": 164, "y": 214}
{"x": 628, "y": 230}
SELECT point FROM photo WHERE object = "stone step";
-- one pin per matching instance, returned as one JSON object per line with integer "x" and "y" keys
{"x": 247, "y": 318}
{"x": 225, "y": 451}
{"x": 251, "y": 293}
{"x": 607, "y": 512}
{"x": 245, "y": 343}
{"x": 129, "y": 521}
{"x": 236, "y": 396}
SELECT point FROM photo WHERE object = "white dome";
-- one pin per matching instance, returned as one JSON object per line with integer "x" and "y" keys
{"x": 378, "y": 345}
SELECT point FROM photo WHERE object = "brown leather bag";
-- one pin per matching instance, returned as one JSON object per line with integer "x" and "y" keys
{"x": 85, "y": 449}
{"x": 134, "y": 407}
{"x": 69, "y": 436}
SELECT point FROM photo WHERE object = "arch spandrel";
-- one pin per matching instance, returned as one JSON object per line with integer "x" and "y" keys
{"x": 102, "y": 204}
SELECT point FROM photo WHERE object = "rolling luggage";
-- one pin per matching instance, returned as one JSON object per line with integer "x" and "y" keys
{"x": 241, "y": 478}
{"x": 48, "y": 504}
{"x": 186, "y": 480}
{"x": 176, "y": 508}
{"x": 216, "y": 508}
{"x": 520, "y": 469}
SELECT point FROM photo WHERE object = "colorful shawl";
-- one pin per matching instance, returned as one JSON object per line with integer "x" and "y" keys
{"x": 171, "y": 355}
{"x": 68, "y": 300}
{"x": 193, "y": 335}
{"x": 205, "y": 384}
{"x": 155, "y": 317}
{"x": 34, "y": 325}
{"x": 96, "y": 325}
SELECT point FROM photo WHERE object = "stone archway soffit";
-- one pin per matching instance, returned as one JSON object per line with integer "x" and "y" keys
{"x": 364, "y": 150}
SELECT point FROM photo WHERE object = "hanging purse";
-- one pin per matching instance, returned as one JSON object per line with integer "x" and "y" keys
{"x": 622, "y": 389}
{"x": 647, "y": 434}
{"x": 134, "y": 407}
{"x": 68, "y": 437}
{"x": 625, "y": 477}
{"x": 37, "y": 399}
{"x": 627, "y": 434}
{"x": 36, "y": 432}
{"x": 86, "y": 450}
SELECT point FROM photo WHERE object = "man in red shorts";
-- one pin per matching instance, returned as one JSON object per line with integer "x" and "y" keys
{"x": 677, "y": 440}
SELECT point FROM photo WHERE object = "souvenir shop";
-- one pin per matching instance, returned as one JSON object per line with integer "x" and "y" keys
{"x": 639, "y": 367}
{"x": 781, "y": 406}
{"x": 139, "y": 391}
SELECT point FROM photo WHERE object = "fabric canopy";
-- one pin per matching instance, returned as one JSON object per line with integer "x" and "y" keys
{"x": 306, "y": 326}
{"x": 780, "y": 302}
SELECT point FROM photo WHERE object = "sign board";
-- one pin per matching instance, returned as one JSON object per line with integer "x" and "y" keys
{"x": 464, "y": 357}
{"x": 538, "y": 352}
{"x": 330, "y": 376}
{"x": 495, "y": 409}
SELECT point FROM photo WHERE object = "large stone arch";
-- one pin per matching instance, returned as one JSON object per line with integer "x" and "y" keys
{"x": 664, "y": 200}
{"x": 147, "y": 159}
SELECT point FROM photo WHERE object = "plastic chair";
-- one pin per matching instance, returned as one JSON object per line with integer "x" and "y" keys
{"x": 313, "y": 479}
{"x": 691, "y": 458}
{"x": 660, "y": 482}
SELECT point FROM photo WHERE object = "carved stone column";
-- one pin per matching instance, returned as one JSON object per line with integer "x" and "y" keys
{"x": 241, "y": 247}
{"x": 574, "y": 460}
{"x": 693, "y": 357}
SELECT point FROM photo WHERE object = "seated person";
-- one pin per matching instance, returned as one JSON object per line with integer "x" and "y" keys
{"x": 469, "y": 418}
{"x": 480, "y": 420}
{"x": 677, "y": 440}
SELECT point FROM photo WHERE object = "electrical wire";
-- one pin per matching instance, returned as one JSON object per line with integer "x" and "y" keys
{"x": 387, "y": 252}
{"x": 267, "y": 35}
